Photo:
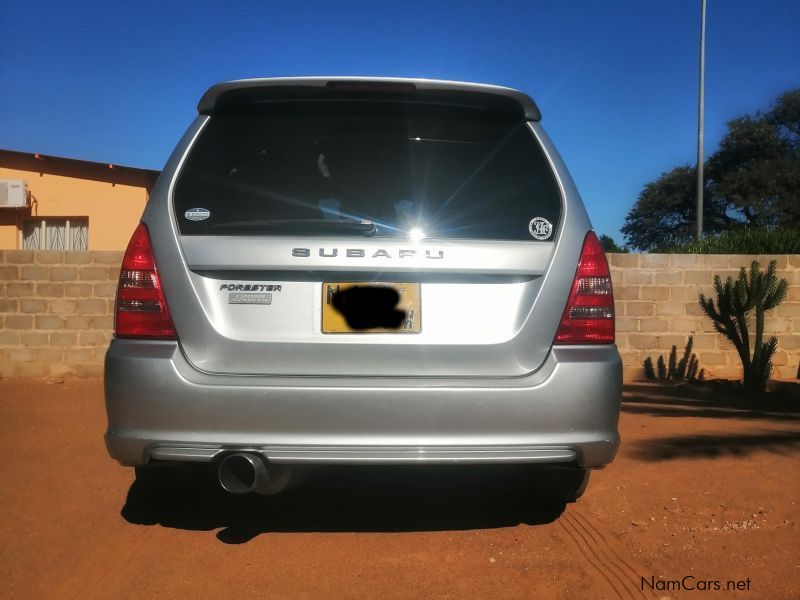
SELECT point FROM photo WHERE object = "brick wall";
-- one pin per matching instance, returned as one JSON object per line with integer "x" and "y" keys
{"x": 656, "y": 307}
{"x": 56, "y": 311}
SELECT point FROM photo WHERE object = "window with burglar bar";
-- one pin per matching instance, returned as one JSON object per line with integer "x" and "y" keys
{"x": 60, "y": 233}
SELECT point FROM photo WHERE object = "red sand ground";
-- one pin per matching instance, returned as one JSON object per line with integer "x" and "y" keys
{"x": 696, "y": 491}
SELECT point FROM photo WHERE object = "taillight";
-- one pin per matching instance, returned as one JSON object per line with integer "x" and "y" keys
{"x": 589, "y": 315}
{"x": 141, "y": 309}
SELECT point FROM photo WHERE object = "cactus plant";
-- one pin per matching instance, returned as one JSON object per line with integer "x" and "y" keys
{"x": 672, "y": 362}
{"x": 649, "y": 372}
{"x": 688, "y": 364}
{"x": 673, "y": 369}
{"x": 757, "y": 291}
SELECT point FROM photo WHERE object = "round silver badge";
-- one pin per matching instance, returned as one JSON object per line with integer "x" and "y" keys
{"x": 197, "y": 214}
{"x": 540, "y": 228}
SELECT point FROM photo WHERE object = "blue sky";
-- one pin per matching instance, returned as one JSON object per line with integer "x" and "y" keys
{"x": 616, "y": 81}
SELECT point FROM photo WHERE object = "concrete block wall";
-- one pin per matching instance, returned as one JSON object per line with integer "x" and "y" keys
{"x": 56, "y": 311}
{"x": 656, "y": 300}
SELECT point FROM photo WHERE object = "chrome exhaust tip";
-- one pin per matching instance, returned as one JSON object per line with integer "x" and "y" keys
{"x": 245, "y": 472}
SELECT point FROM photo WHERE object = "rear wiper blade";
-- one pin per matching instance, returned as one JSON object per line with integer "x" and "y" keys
{"x": 307, "y": 226}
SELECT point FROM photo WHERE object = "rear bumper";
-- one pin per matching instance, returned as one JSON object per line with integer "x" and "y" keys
{"x": 161, "y": 408}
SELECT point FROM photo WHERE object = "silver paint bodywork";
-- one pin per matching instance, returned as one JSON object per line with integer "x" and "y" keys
{"x": 481, "y": 381}
{"x": 207, "y": 102}
{"x": 160, "y": 407}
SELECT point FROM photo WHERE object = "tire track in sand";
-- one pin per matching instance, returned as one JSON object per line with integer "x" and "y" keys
{"x": 604, "y": 561}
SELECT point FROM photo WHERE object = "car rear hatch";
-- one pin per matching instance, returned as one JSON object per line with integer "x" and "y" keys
{"x": 290, "y": 195}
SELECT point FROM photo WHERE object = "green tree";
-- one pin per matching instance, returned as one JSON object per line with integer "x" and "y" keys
{"x": 664, "y": 212}
{"x": 609, "y": 245}
{"x": 753, "y": 179}
{"x": 755, "y": 174}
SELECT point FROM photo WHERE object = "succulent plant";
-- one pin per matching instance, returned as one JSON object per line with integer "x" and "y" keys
{"x": 751, "y": 291}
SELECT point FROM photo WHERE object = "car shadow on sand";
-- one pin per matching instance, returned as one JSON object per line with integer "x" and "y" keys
{"x": 347, "y": 499}
{"x": 695, "y": 401}
{"x": 649, "y": 407}
{"x": 717, "y": 445}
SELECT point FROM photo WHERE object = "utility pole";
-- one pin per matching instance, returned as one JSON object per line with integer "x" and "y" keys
{"x": 699, "y": 231}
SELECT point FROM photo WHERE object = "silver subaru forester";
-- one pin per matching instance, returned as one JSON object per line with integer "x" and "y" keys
{"x": 364, "y": 271}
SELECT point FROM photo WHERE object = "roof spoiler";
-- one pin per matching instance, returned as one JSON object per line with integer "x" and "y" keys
{"x": 227, "y": 97}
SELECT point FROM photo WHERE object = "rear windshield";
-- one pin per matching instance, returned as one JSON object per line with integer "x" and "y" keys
{"x": 385, "y": 169}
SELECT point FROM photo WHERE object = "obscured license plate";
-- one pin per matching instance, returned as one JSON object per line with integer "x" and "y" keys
{"x": 375, "y": 307}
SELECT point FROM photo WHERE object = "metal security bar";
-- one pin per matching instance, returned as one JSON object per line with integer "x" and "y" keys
{"x": 56, "y": 234}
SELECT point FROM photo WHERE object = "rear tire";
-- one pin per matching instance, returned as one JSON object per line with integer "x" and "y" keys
{"x": 154, "y": 480}
{"x": 157, "y": 479}
{"x": 564, "y": 484}
{"x": 167, "y": 492}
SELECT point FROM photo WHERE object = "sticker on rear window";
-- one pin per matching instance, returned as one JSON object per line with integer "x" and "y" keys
{"x": 540, "y": 228}
{"x": 197, "y": 214}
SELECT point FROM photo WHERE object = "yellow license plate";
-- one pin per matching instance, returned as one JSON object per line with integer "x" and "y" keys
{"x": 374, "y": 307}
